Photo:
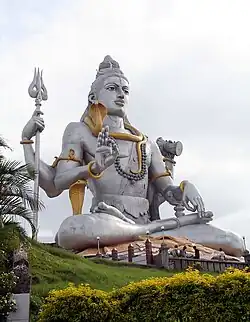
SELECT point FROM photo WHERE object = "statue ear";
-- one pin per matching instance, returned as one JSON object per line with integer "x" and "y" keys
{"x": 92, "y": 98}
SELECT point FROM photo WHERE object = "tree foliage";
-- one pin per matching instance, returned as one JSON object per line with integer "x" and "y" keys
{"x": 16, "y": 196}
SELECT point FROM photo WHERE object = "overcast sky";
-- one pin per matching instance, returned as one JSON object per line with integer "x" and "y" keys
{"x": 188, "y": 63}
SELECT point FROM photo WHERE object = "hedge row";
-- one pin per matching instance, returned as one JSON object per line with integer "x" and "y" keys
{"x": 188, "y": 296}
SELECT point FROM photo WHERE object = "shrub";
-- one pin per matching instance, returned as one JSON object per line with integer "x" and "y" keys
{"x": 36, "y": 303}
{"x": 165, "y": 299}
{"x": 138, "y": 301}
{"x": 7, "y": 284}
{"x": 9, "y": 241}
{"x": 3, "y": 261}
{"x": 231, "y": 296}
{"x": 188, "y": 296}
{"x": 75, "y": 304}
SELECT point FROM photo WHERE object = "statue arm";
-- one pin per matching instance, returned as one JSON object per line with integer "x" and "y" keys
{"x": 186, "y": 193}
{"x": 46, "y": 173}
{"x": 53, "y": 180}
{"x": 157, "y": 171}
{"x": 71, "y": 166}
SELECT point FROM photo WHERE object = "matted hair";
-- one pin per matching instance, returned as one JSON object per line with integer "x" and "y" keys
{"x": 95, "y": 113}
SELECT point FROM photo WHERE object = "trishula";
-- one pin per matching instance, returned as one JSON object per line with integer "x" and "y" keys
{"x": 38, "y": 91}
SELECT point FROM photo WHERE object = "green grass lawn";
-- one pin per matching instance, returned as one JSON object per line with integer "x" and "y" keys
{"x": 54, "y": 268}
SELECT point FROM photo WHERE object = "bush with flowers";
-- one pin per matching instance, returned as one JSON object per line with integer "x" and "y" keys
{"x": 9, "y": 241}
{"x": 188, "y": 296}
{"x": 7, "y": 284}
{"x": 77, "y": 303}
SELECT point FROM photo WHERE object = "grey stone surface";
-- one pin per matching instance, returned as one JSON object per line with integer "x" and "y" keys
{"x": 211, "y": 236}
{"x": 82, "y": 231}
{"x": 23, "y": 308}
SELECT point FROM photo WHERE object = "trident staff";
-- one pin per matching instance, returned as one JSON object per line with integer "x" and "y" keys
{"x": 38, "y": 91}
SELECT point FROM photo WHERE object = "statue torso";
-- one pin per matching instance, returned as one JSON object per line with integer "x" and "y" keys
{"x": 113, "y": 188}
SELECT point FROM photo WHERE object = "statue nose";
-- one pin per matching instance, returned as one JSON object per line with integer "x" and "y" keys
{"x": 120, "y": 95}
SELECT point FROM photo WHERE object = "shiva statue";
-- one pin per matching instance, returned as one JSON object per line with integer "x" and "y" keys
{"x": 121, "y": 166}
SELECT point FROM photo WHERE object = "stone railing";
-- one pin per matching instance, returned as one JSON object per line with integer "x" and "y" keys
{"x": 205, "y": 265}
{"x": 162, "y": 259}
{"x": 21, "y": 293}
{"x": 139, "y": 255}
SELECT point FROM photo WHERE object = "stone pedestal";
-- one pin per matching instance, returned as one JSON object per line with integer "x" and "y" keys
{"x": 164, "y": 256}
{"x": 130, "y": 253}
{"x": 149, "y": 253}
{"x": 114, "y": 254}
{"x": 22, "y": 312}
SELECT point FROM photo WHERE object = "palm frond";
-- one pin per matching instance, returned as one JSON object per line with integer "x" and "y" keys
{"x": 27, "y": 196}
{"x": 28, "y": 216}
{"x": 11, "y": 223}
{"x": 15, "y": 181}
{"x": 3, "y": 143}
{"x": 21, "y": 212}
{"x": 9, "y": 168}
{"x": 16, "y": 195}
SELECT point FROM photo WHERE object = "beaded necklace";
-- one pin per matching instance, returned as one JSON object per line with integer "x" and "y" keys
{"x": 141, "y": 140}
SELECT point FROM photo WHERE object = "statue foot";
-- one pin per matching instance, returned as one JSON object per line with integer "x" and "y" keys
{"x": 110, "y": 210}
{"x": 207, "y": 217}
{"x": 173, "y": 223}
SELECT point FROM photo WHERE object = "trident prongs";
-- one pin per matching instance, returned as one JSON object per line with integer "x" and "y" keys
{"x": 37, "y": 89}
{"x": 43, "y": 88}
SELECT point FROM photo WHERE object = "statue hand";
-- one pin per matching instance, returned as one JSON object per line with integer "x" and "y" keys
{"x": 191, "y": 196}
{"x": 105, "y": 153}
{"x": 194, "y": 218}
{"x": 36, "y": 123}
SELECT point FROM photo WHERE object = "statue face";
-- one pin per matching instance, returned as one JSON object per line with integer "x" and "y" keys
{"x": 114, "y": 95}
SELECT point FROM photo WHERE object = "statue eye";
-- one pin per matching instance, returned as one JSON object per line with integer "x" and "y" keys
{"x": 111, "y": 88}
{"x": 126, "y": 91}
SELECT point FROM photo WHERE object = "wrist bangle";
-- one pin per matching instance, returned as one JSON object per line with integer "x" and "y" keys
{"x": 91, "y": 174}
{"x": 182, "y": 185}
{"x": 165, "y": 174}
{"x": 26, "y": 142}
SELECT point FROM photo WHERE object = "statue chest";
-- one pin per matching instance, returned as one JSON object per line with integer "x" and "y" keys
{"x": 116, "y": 181}
{"x": 128, "y": 151}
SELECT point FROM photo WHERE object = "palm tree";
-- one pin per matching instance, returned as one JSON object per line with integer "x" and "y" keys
{"x": 16, "y": 195}
{"x": 12, "y": 226}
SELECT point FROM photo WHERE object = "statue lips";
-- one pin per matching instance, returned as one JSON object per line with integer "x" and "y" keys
{"x": 120, "y": 102}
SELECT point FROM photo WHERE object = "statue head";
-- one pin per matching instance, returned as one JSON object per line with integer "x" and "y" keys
{"x": 109, "y": 94}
